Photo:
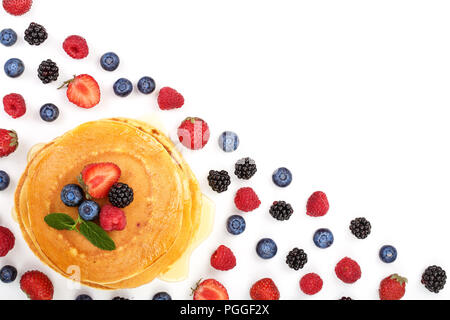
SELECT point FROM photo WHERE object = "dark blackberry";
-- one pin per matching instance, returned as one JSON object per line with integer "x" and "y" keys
{"x": 281, "y": 210}
{"x": 360, "y": 228}
{"x": 35, "y": 34}
{"x": 297, "y": 259}
{"x": 345, "y": 298}
{"x": 245, "y": 168}
{"x": 120, "y": 195}
{"x": 219, "y": 181}
{"x": 434, "y": 279}
{"x": 48, "y": 71}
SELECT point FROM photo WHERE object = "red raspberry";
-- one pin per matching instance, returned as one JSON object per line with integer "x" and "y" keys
{"x": 317, "y": 205}
{"x": 169, "y": 99}
{"x": 265, "y": 289}
{"x": 112, "y": 218}
{"x": 247, "y": 200}
{"x": 311, "y": 284}
{"x": 348, "y": 270}
{"x": 194, "y": 133}
{"x": 17, "y": 7}
{"x": 7, "y": 241}
{"x": 76, "y": 47}
{"x": 223, "y": 259}
{"x": 14, "y": 105}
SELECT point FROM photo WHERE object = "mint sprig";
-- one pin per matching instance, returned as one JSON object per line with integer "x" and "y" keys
{"x": 91, "y": 231}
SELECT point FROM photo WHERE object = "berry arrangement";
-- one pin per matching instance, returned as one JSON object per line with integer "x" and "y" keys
{"x": 194, "y": 133}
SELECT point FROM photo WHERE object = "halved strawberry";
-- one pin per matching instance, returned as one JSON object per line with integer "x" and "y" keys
{"x": 83, "y": 91}
{"x": 210, "y": 290}
{"x": 98, "y": 178}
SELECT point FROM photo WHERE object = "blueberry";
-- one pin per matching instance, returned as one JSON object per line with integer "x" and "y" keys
{"x": 123, "y": 87}
{"x": 14, "y": 68}
{"x": 8, "y": 274}
{"x": 110, "y": 61}
{"x": 162, "y": 296}
{"x": 4, "y": 180}
{"x": 266, "y": 248}
{"x": 146, "y": 85}
{"x": 323, "y": 238}
{"x": 236, "y": 225}
{"x": 8, "y": 37}
{"x": 72, "y": 195}
{"x": 388, "y": 254}
{"x": 89, "y": 210}
{"x": 282, "y": 177}
{"x": 84, "y": 297}
{"x": 229, "y": 141}
{"x": 49, "y": 112}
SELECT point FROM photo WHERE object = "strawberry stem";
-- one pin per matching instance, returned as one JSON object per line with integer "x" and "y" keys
{"x": 66, "y": 83}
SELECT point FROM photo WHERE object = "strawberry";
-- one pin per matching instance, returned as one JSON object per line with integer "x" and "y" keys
{"x": 169, "y": 99}
{"x": 8, "y": 142}
{"x": 36, "y": 285}
{"x": 83, "y": 90}
{"x": 14, "y": 105}
{"x": 98, "y": 178}
{"x": 7, "y": 241}
{"x": 194, "y": 133}
{"x": 17, "y": 7}
{"x": 318, "y": 205}
{"x": 265, "y": 289}
{"x": 210, "y": 290}
{"x": 392, "y": 288}
{"x": 223, "y": 259}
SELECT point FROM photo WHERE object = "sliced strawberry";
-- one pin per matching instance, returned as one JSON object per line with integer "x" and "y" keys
{"x": 98, "y": 178}
{"x": 210, "y": 290}
{"x": 83, "y": 91}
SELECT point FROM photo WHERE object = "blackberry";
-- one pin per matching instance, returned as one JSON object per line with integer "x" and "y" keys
{"x": 345, "y": 298}
{"x": 281, "y": 210}
{"x": 434, "y": 279}
{"x": 219, "y": 181}
{"x": 245, "y": 168}
{"x": 297, "y": 259}
{"x": 35, "y": 34}
{"x": 121, "y": 195}
{"x": 360, "y": 228}
{"x": 48, "y": 71}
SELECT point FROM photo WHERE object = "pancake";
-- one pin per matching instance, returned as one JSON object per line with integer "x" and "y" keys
{"x": 162, "y": 220}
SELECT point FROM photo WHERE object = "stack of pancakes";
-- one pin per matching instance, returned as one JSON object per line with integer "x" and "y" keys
{"x": 162, "y": 221}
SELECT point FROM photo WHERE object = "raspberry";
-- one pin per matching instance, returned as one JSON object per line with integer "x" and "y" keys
{"x": 348, "y": 270}
{"x": 247, "y": 200}
{"x": 311, "y": 284}
{"x": 17, "y": 7}
{"x": 169, "y": 99}
{"x": 76, "y": 47}
{"x": 317, "y": 205}
{"x": 112, "y": 218}
{"x": 14, "y": 105}
{"x": 223, "y": 259}
{"x": 7, "y": 241}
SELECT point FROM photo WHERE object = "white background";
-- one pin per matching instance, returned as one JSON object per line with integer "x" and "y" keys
{"x": 352, "y": 96}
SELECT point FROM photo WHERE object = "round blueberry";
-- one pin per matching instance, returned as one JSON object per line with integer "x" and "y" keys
{"x": 229, "y": 141}
{"x": 72, "y": 195}
{"x": 49, "y": 112}
{"x": 14, "y": 68}
{"x": 123, "y": 87}
{"x": 388, "y": 254}
{"x": 162, "y": 296}
{"x": 8, "y": 37}
{"x": 8, "y": 274}
{"x": 4, "y": 180}
{"x": 84, "y": 297}
{"x": 236, "y": 225}
{"x": 266, "y": 248}
{"x": 323, "y": 238}
{"x": 110, "y": 61}
{"x": 146, "y": 85}
{"x": 89, "y": 210}
{"x": 282, "y": 177}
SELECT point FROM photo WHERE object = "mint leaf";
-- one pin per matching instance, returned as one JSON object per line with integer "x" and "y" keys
{"x": 60, "y": 221}
{"x": 97, "y": 236}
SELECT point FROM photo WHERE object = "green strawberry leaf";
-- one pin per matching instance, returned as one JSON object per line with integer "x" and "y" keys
{"x": 97, "y": 236}
{"x": 60, "y": 221}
